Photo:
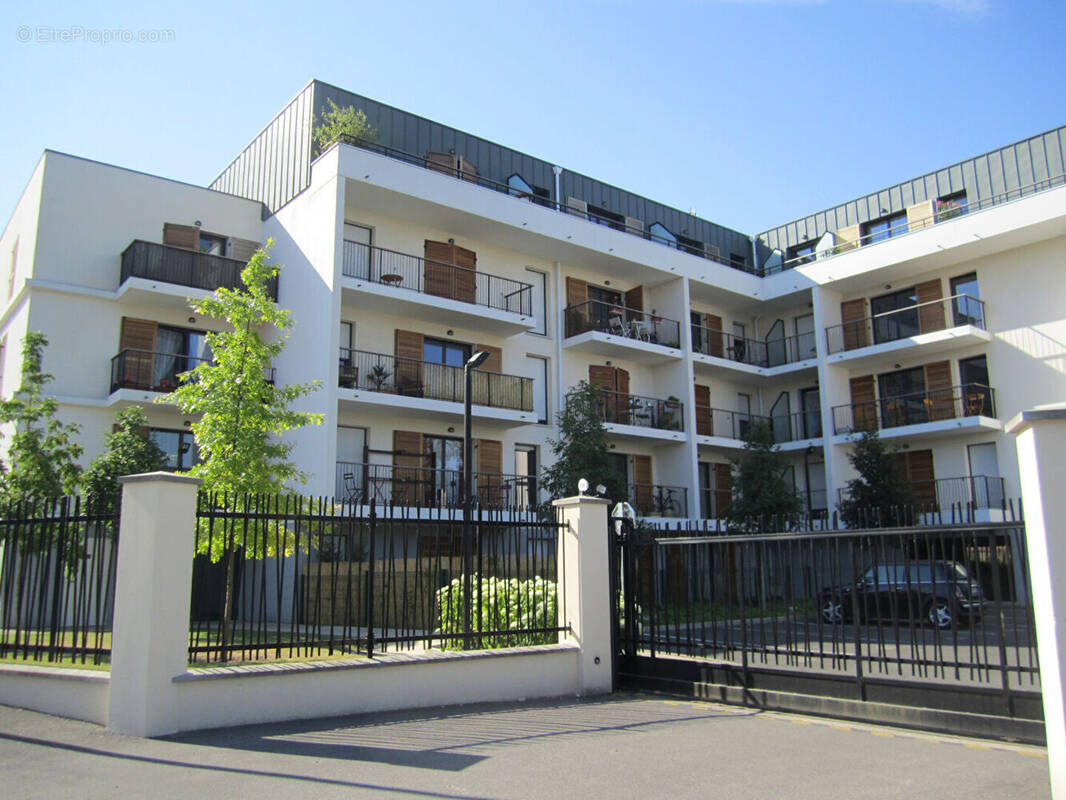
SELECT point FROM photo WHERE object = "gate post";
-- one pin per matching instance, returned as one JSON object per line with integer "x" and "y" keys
{"x": 1041, "y": 446}
{"x": 584, "y": 596}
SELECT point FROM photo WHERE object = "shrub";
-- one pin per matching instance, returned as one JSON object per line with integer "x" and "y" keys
{"x": 504, "y": 604}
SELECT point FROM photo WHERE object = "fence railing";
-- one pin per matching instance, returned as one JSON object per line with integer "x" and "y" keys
{"x": 967, "y": 400}
{"x": 949, "y": 605}
{"x": 975, "y": 491}
{"x": 438, "y": 278}
{"x": 646, "y": 412}
{"x": 630, "y": 323}
{"x": 425, "y": 487}
{"x": 157, "y": 372}
{"x": 158, "y": 262}
{"x": 768, "y": 353}
{"x": 463, "y": 171}
{"x": 380, "y": 372}
{"x": 293, "y": 577}
{"x": 901, "y": 323}
{"x": 659, "y": 501}
{"x": 735, "y": 424}
{"x": 57, "y": 581}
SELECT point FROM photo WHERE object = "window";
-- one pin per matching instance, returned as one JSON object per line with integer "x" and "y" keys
{"x": 976, "y": 395}
{"x": 806, "y": 344}
{"x": 884, "y": 228}
{"x": 436, "y": 351}
{"x": 660, "y": 233}
{"x": 986, "y": 487}
{"x": 537, "y": 369}
{"x": 801, "y": 253}
{"x": 965, "y": 296}
{"x": 951, "y": 205}
{"x": 177, "y": 350}
{"x": 348, "y": 372}
{"x": 776, "y": 344}
{"x": 602, "y": 216}
{"x": 743, "y": 415}
{"x": 696, "y": 320}
{"x": 738, "y": 260}
{"x": 693, "y": 246}
{"x": 212, "y": 244}
{"x": 895, "y": 315}
{"x": 525, "y": 469}
{"x": 444, "y": 456}
{"x": 178, "y": 446}
{"x": 520, "y": 188}
{"x": 781, "y": 418}
{"x": 539, "y": 302}
{"x": 812, "y": 413}
{"x": 903, "y": 397}
{"x": 619, "y": 464}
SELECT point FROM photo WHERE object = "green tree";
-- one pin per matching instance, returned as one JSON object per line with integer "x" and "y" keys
{"x": 880, "y": 496}
{"x": 762, "y": 497}
{"x": 581, "y": 451}
{"x": 242, "y": 414}
{"x": 43, "y": 454}
{"x": 129, "y": 452}
{"x": 342, "y": 122}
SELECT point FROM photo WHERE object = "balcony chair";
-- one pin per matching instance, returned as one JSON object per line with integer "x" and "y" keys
{"x": 619, "y": 327}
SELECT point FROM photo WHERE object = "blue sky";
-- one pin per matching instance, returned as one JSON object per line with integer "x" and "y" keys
{"x": 753, "y": 112}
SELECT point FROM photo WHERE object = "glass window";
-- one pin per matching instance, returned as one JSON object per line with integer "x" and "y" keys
{"x": 951, "y": 205}
{"x": 806, "y": 344}
{"x": 693, "y": 246}
{"x": 737, "y": 260}
{"x": 895, "y": 315}
{"x": 812, "y": 413}
{"x": 880, "y": 229}
{"x": 965, "y": 305}
{"x": 178, "y": 446}
{"x": 525, "y": 467}
{"x": 177, "y": 350}
{"x": 602, "y": 216}
{"x": 781, "y": 418}
{"x": 212, "y": 245}
{"x": 519, "y": 187}
{"x": 660, "y": 233}
{"x": 437, "y": 352}
{"x": 976, "y": 394}
{"x": 903, "y": 397}
{"x": 801, "y": 253}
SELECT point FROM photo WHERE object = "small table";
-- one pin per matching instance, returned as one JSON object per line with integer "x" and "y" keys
{"x": 391, "y": 278}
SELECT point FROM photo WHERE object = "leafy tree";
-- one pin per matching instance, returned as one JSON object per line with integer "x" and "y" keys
{"x": 129, "y": 452}
{"x": 42, "y": 456}
{"x": 581, "y": 451}
{"x": 342, "y": 122}
{"x": 880, "y": 496}
{"x": 762, "y": 497}
{"x": 242, "y": 414}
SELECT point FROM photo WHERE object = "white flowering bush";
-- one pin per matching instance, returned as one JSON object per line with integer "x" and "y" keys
{"x": 507, "y": 607}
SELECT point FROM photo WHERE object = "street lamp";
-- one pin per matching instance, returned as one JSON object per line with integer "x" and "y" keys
{"x": 471, "y": 364}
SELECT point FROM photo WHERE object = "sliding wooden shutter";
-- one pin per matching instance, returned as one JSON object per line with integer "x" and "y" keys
{"x": 863, "y": 404}
{"x": 407, "y": 462}
{"x": 187, "y": 236}
{"x": 634, "y": 301}
{"x": 704, "y": 425}
{"x": 407, "y": 371}
{"x": 466, "y": 277}
{"x": 615, "y": 383}
{"x": 643, "y": 492}
{"x": 930, "y": 317}
{"x": 489, "y": 472}
{"x": 723, "y": 488}
{"x": 715, "y": 345}
{"x": 939, "y": 399}
{"x": 442, "y": 162}
{"x": 853, "y": 315}
{"x": 917, "y": 469}
{"x": 137, "y": 345}
{"x": 577, "y": 312}
{"x": 438, "y": 274}
{"x": 577, "y": 292}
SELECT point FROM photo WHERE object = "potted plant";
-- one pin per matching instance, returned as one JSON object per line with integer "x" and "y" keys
{"x": 379, "y": 376}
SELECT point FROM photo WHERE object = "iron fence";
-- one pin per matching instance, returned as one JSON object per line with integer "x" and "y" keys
{"x": 623, "y": 408}
{"x": 915, "y": 408}
{"x": 158, "y": 262}
{"x": 438, "y": 278}
{"x": 158, "y": 372}
{"x": 630, "y": 323}
{"x": 426, "y": 487}
{"x": 975, "y": 491}
{"x": 901, "y": 323}
{"x": 287, "y": 577}
{"x": 57, "y": 580}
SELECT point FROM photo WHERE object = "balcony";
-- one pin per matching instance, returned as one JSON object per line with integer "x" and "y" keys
{"x": 160, "y": 263}
{"x": 652, "y": 500}
{"x": 419, "y": 487}
{"x": 938, "y": 411}
{"x": 720, "y": 428}
{"x": 609, "y": 329}
{"x": 411, "y": 387}
{"x": 635, "y": 417}
{"x": 715, "y": 349}
{"x": 387, "y": 280}
{"x": 979, "y": 492}
{"x": 160, "y": 373}
{"x": 931, "y": 327}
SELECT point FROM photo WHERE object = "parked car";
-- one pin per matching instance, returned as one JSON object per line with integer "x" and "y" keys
{"x": 940, "y": 592}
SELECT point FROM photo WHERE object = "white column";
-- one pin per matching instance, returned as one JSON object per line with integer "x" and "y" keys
{"x": 584, "y": 595}
{"x": 1041, "y": 445}
{"x": 150, "y": 632}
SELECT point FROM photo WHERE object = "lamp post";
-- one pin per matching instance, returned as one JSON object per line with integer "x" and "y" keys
{"x": 471, "y": 364}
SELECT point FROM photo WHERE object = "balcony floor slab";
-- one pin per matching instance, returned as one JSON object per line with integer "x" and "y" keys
{"x": 924, "y": 344}
{"x": 643, "y": 433}
{"x": 426, "y": 408}
{"x": 607, "y": 344}
{"x": 960, "y": 426}
{"x": 709, "y": 365}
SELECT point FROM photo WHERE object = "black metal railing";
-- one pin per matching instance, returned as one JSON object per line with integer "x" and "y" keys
{"x": 289, "y": 577}
{"x": 380, "y": 372}
{"x": 57, "y": 581}
{"x": 942, "y": 213}
{"x": 646, "y": 412}
{"x": 159, "y": 262}
{"x": 438, "y": 278}
{"x": 158, "y": 372}
{"x": 630, "y": 323}
{"x": 615, "y": 221}
{"x": 976, "y": 492}
{"x": 735, "y": 424}
{"x": 967, "y": 400}
{"x": 427, "y": 487}
{"x": 948, "y": 605}
{"x": 767, "y": 353}
{"x": 901, "y": 323}
{"x": 653, "y": 500}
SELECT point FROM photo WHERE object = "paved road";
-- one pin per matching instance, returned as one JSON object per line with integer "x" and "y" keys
{"x": 625, "y": 746}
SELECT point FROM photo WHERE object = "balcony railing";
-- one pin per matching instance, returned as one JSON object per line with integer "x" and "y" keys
{"x": 158, "y": 262}
{"x": 617, "y": 222}
{"x": 646, "y": 412}
{"x": 631, "y": 323}
{"x": 157, "y": 372}
{"x": 968, "y": 400}
{"x": 438, "y": 278}
{"x": 977, "y": 491}
{"x": 768, "y": 353}
{"x": 379, "y": 372}
{"x": 659, "y": 501}
{"x": 424, "y": 487}
{"x": 735, "y": 424}
{"x": 901, "y": 323}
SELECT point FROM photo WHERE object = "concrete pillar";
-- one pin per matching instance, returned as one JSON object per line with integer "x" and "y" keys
{"x": 584, "y": 595}
{"x": 150, "y": 632}
{"x": 1041, "y": 445}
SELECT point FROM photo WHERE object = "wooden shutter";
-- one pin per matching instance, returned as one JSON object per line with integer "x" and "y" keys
{"x": 919, "y": 215}
{"x": 466, "y": 277}
{"x": 930, "y": 317}
{"x": 242, "y": 249}
{"x": 407, "y": 462}
{"x": 848, "y": 238}
{"x": 917, "y": 469}
{"x": 634, "y": 300}
{"x": 438, "y": 272}
{"x": 442, "y": 162}
{"x": 604, "y": 378}
{"x": 622, "y": 409}
{"x": 715, "y": 345}
{"x": 643, "y": 492}
{"x": 853, "y": 315}
{"x": 187, "y": 236}
{"x": 723, "y": 488}
{"x": 489, "y": 472}
{"x": 407, "y": 371}
{"x": 467, "y": 169}
{"x": 704, "y": 425}
{"x": 863, "y": 404}
{"x": 137, "y": 346}
{"x": 939, "y": 400}
{"x": 577, "y": 291}
{"x": 494, "y": 363}
{"x": 577, "y": 312}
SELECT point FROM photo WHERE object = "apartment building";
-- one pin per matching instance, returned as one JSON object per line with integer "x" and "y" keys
{"x": 929, "y": 310}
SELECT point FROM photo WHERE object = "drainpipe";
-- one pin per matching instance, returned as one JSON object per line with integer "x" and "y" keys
{"x": 754, "y": 255}
{"x": 558, "y": 197}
